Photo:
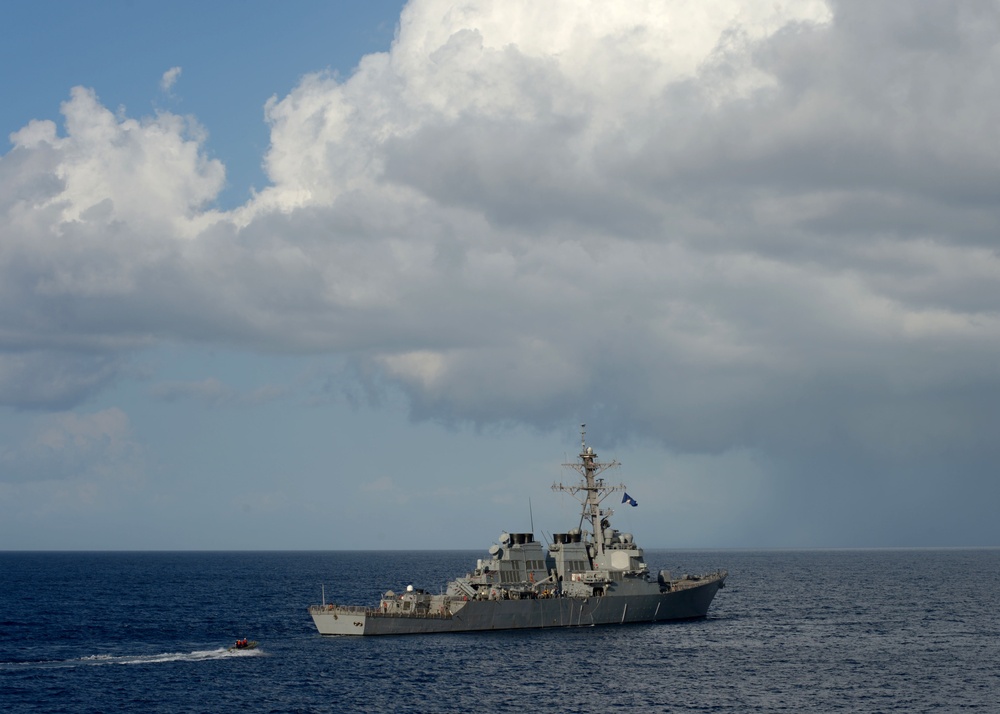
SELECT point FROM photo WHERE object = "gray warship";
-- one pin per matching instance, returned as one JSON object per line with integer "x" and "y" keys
{"x": 590, "y": 575}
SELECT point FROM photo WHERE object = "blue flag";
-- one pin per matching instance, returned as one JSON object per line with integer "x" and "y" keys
{"x": 629, "y": 500}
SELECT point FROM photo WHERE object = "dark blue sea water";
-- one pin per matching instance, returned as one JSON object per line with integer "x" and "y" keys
{"x": 793, "y": 631}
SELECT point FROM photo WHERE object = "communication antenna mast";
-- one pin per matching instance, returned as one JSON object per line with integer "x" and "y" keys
{"x": 591, "y": 491}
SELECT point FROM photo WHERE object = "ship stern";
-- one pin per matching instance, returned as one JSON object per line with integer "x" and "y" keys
{"x": 331, "y": 620}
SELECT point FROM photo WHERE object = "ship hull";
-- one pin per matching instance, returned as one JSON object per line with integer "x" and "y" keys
{"x": 685, "y": 603}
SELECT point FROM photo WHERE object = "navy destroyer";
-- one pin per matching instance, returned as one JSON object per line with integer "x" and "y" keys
{"x": 590, "y": 575}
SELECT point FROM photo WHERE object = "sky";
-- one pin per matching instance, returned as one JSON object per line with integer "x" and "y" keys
{"x": 332, "y": 275}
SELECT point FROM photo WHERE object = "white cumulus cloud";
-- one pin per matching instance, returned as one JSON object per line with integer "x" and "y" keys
{"x": 729, "y": 225}
{"x": 169, "y": 78}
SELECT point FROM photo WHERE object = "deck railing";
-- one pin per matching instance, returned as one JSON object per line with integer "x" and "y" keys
{"x": 378, "y": 612}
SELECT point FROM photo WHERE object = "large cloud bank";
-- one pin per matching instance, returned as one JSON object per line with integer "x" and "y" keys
{"x": 727, "y": 225}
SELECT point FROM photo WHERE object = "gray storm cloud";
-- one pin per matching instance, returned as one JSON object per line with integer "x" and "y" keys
{"x": 725, "y": 226}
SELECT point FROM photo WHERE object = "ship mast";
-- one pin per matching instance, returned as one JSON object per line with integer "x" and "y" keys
{"x": 591, "y": 490}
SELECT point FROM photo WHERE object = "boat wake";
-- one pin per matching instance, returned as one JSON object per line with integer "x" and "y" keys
{"x": 196, "y": 656}
{"x": 105, "y": 659}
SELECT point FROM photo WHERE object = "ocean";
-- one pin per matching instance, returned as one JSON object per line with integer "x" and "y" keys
{"x": 793, "y": 631}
